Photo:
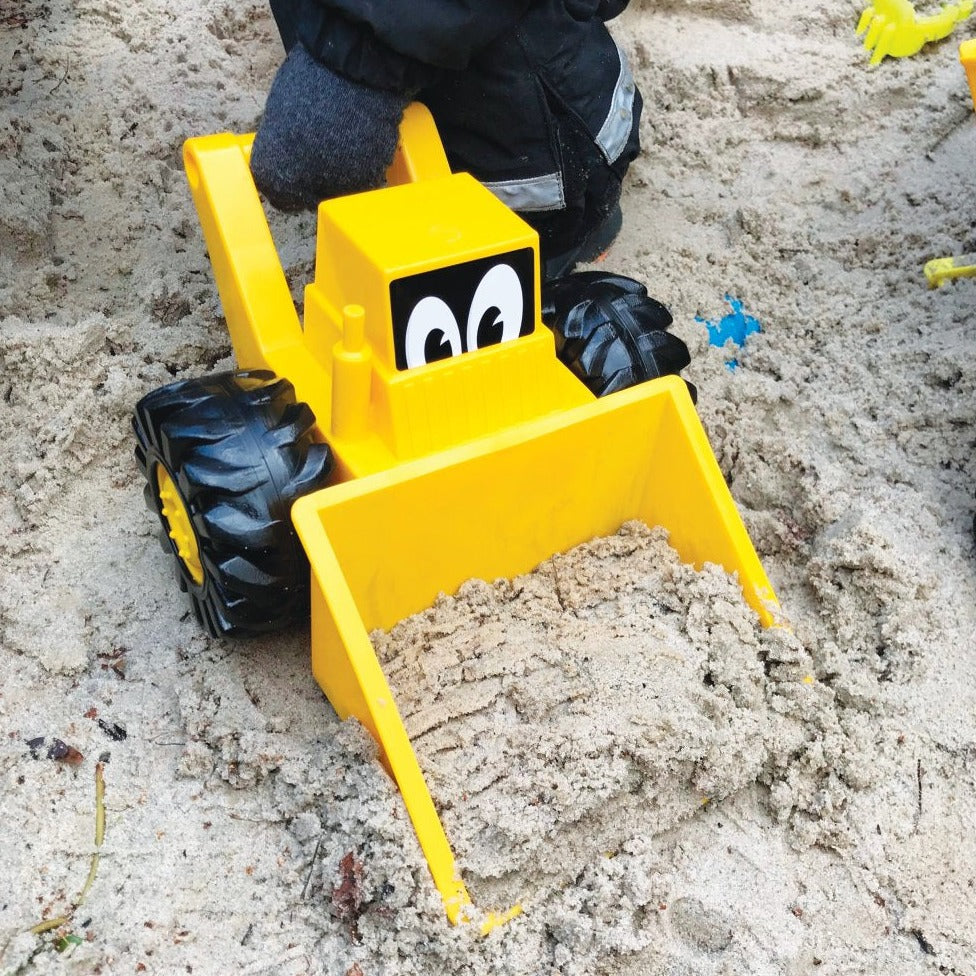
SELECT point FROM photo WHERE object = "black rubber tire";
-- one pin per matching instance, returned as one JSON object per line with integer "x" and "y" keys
{"x": 610, "y": 333}
{"x": 240, "y": 451}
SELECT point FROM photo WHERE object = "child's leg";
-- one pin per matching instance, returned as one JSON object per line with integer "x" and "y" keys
{"x": 547, "y": 118}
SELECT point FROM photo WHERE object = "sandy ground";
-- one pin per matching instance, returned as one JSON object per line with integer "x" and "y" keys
{"x": 776, "y": 804}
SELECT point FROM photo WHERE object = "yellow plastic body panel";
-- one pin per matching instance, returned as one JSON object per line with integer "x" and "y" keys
{"x": 385, "y": 546}
{"x": 967, "y": 54}
{"x": 482, "y": 465}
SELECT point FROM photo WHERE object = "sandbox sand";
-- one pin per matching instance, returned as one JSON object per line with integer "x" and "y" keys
{"x": 613, "y": 740}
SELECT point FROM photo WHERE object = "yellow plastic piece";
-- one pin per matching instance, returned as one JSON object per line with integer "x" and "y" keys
{"x": 940, "y": 270}
{"x": 895, "y": 30}
{"x": 178, "y": 524}
{"x": 482, "y": 465}
{"x": 351, "y": 376}
{"x": 967, "y": 54}
{"x": 419, "y": 153}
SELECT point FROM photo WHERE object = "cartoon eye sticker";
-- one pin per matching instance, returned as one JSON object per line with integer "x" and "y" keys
{"x": 495, "y": 314}
{"x": 467, "y": 306}
{"x": 432, "y": 333}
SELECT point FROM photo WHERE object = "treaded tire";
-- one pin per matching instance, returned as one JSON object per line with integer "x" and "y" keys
{"x": 239, "y": 449}
{"x": 610, "y": 333}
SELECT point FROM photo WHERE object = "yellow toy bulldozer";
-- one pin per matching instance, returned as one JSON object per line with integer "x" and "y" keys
{"x": 416, "y": 430}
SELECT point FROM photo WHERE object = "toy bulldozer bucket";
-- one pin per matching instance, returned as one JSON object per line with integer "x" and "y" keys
{"x": 384, "y": 547}
{"x": 530, "y": 464}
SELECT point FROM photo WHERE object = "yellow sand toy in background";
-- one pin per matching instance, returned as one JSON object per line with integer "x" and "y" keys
{"x": 895, "y": 30}
{"x": 940, "y": 270}
{"x": 967, "y": 55}
{"x": 456, "y": 455}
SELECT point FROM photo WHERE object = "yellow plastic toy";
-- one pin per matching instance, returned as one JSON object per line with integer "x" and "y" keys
{"x": 482, "y": 464}
{"x": 940, "y": 270}
{"x": 967, "y": 55}
{"x": 895, "y": 30}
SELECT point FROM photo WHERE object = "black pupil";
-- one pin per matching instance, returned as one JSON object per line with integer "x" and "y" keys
{"x": 491, "y": 327}
{"x": 436, "y": 346}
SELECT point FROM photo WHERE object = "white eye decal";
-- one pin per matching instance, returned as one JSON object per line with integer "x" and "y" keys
{"x": 496, "y": 309}
{"x": 432, "y": 333}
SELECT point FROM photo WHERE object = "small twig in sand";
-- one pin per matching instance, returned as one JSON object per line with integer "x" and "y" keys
{"x": 311, "y": 865}
{"x": 67, "y": 68}
{"x": 918, "y": 780}
{"x": 53, "y": 923}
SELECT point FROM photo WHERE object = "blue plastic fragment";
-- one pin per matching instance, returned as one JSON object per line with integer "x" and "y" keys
{"x": 737, "y": 325}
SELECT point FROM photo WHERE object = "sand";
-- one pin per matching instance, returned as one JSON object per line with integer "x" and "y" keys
{"x": 769, "y": 803}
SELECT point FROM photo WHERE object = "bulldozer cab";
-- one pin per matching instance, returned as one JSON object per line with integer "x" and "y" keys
{"x": 447, "y": 278}
{"x": 441, "y": 268}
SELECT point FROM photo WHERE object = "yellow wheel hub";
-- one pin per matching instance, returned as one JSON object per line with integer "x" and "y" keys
{"x": 178, "y": 524}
